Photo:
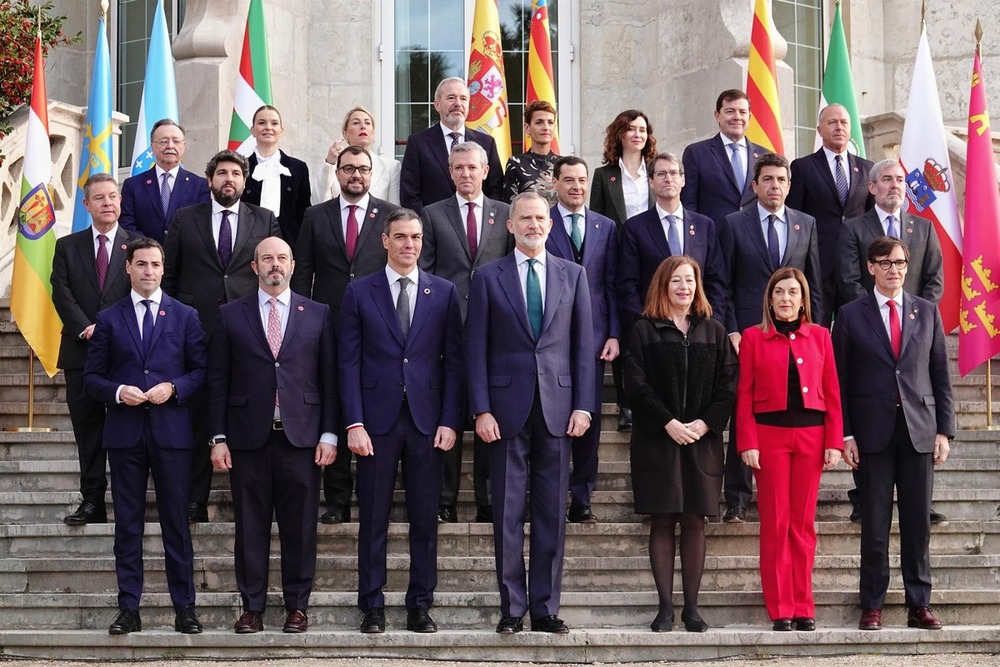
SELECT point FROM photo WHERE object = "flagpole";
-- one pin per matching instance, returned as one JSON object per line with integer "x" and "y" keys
{"x": 989, "y": 362}
{"x": 30, "y": 428}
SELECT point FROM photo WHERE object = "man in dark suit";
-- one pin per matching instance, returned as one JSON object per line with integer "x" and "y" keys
{"x": 530, "y": 375}
{"x": 898, "y": 419}
{"x": 209, "y": 249}
{"x": 276, "y": 178}
{"x": 924, "y": 276}
{"x": 461, "y": 234}
{"x": 402, "y": 376}
{"x": 589, "y": 239}
{"x": 831, "y": 185}
{"x": 425, "y": 177}
{"x": 755, "y": 242}
{"x": 146, "y": 362}
{"x": 668, "y": 229}
{"x": 88, "y": 275}
{"x": 340, "y": 242}
{"x": 718, "y": 170}
{"x": 150, "y": 199}
{"x": 272, "y": 387}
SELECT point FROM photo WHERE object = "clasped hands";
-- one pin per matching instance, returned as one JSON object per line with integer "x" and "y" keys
{"x": 686, "y": 434}
{"x": 156, "y": 395}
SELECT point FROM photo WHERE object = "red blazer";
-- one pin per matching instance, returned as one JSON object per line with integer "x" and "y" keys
{"x": 763, "y": 383}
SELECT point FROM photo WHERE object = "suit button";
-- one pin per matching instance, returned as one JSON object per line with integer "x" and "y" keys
{"x": 805, "y": 390}
{"x": 406, "y": 361}
{"x": 145, "y": 372}
{"x": 276, "y": 364}
{"x": 791, "y": 336}
{"x": 225, "y": 276}
{"x": 897, "y": 373}
{"x": 352, "y": 276}
{"x": 799, "y": 360}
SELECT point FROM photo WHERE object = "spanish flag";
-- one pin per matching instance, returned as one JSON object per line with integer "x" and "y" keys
{"x": 31, "y": 288}
{"x": 487, "y": 83}
{"x": 762, "y": 84}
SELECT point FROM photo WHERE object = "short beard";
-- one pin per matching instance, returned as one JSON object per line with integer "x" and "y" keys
{"x": 223, "y": 200}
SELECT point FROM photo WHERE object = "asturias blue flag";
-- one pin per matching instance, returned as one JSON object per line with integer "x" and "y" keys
{"x": 159, "y": 91}
{"x": 97, "y": 154}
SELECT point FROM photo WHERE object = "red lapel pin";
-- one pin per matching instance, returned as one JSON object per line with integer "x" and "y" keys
{"x": 301, "y": 308}
{"x": 162, "y": 313}
{"x": 796, "y": 228}
{"x": 149, "y": 182}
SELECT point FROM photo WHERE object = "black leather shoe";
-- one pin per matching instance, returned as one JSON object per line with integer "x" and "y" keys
{"x": 693, "y": 622}
{"x": 582, "y": 515}
{"x": 664, "y": 621}
{"x": 510, "y": 625}
{"x": 552, "y": 624}
{"x": 197, "y": 513}
{"x": 735, "y": 514}
{"x": 484, "y": 514}
{"x": 805, "y": 624}
{"x": 447, "y": 514}
{"x": 187, "y": 622}
{"x": 332, "y": 516}
{"x": 855, "y": 514}
{"x": 624, "y": 419}
{"x": 125, "y": 622}
{"x": 249, "y": 623}
{"x": 418, "y": 620}
{"x": 782, "y": 625}
{"x": 86, "y": 513}
{"x": 374, "y": 621}
{"x": 937, "y": 518}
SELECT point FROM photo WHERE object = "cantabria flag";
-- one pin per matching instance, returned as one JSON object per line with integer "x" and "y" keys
{"x": 31, "y": 289}
{"x": 253, "y": 85}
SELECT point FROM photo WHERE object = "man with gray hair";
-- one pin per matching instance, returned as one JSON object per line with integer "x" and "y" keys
{"x": 425, "y": 177}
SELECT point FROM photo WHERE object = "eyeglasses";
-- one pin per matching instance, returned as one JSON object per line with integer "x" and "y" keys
{"x": 167, "y": 142}
{"x": 673, "y": 174}
{"x": 349, "y": 169}
{"x": 886, "y": 264}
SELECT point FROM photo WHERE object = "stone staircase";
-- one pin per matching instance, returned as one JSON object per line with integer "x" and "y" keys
{"x": 58, "y": 593}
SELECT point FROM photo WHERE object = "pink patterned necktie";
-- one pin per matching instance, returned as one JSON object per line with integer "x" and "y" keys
{"x": 102, "y": 261}
{"x": 274, "y": 332}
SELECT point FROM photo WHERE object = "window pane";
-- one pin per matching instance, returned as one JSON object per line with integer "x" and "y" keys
{"x": 446, "y": 22}
{"x": 800, "y": 23}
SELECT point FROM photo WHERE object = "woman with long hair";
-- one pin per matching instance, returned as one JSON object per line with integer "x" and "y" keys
{"x": 359, "y": 130}
{"x": 620, "y": 188}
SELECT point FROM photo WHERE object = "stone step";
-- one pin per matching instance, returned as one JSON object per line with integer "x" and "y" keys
{"x": 836, "y": 538}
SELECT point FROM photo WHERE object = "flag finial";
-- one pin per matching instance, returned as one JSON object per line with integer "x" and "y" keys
{"x": 104, "y": 8}
{"x": 979, "y": 37}
{"x": 923, "y": 14}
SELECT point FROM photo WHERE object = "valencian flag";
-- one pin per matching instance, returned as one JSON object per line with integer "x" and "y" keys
{"x": 487, "y": 84}
{"x": 97, "y": 152}
{"x": 31, "y": 288}
{"x": 541, "y": 81}
{"x": 159, "y": 92}
{"x": 838, "y": 84}
{"x": 979, "y": 336}
{"x": 762, "y": 84}
{"x": 930, "y": 185}
{"x": 253, "y": 84}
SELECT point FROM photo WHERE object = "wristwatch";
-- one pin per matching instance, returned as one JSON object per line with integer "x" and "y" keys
{"x": 218, "y": 440}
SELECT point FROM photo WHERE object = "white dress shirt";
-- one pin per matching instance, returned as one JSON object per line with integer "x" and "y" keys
{"x": 359, "y": 214}
{"x": 446, "y": 132}
{"x": 636, "y": 190}
{"x": 110, "y": 234}
{"x": 567, "y": 219}
{"x": 882, "y": 215}
{"x": 170, "y": 181}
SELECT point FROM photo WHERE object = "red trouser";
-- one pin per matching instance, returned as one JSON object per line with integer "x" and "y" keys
{"x": 791, "y": 462}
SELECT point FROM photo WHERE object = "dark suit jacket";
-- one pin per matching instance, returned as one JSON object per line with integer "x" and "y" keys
{"x": 814, "y": 192}
{"x": 871, "y": 377}
{"x": 295, "y": 195}
{"x": 142, "y": 211}
{"x": 192, "y": 271}
{"x": 243, "y": 375}
{"x": 644, "y": 247}
{"x": 74, "y": 288}
{"x": 749, "y": 264}
{"x": 600, "y": 259}
{"x": 924, "y": 274}
{"x": 115, "y": 357}
{"x": 322, "y": 270}
{"x": 425, "y": 177}
{"x": 377, "y": 362}
{"x": 446, "y": 246}
{"x": 607, "y": 196}
{"x": 506, "y": 365}
{"x": 709, "y": 185}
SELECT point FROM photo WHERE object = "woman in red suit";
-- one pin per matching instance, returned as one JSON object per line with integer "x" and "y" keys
{"x": 791, "y": 429}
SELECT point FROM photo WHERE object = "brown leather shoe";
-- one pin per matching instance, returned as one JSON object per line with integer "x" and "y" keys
{"x": 296, "y": 622}
{"x": 871, "y": 619}
{"x": 921, "y": 617}
{"x": 250, "y": 622}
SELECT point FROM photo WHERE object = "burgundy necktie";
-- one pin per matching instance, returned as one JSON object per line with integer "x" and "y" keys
{"x": 352, "y": 232}
{"x": 102, "y": 261}
{"x": 470, "y": 230}
{"x": 225, "y": 240}
{"x": 895, "y": 330}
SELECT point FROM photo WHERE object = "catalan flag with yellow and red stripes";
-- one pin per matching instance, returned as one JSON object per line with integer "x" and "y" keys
{"x": 762, "y": 84}
{"x": 541, "y": 80}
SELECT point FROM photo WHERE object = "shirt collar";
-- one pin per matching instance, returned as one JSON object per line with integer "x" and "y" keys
{"x": 362, "y": 203}
{"x": 742, "y": 143}
{"x": 218, "y": 208}
{"x": 156, "y": 297}
{"x": 285, "y": 298}
{"x": 160, "y": 171}
{"x": 447, "y": 132}
{"x": 661, "y": 213}
{"x": 393, "y": 277}
{"x": 520, "y": 257}
{"x": 762, "y": 213}
{"x": 477, "y": 200}
{"x": 881, "y": 299}
{"x": 564, "y": 212}
{"x": 642, "y": 169}
{"x": 830, "y": 155}
{"x": 110, "y": 233}
{"x": 882, "y": 213}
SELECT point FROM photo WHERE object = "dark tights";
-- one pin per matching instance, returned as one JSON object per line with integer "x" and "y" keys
{"x": 661, "y": 557}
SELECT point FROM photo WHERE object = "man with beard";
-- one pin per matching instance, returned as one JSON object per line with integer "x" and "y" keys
{"x": 273, "y": 414}
{"x": 209, "y": 248}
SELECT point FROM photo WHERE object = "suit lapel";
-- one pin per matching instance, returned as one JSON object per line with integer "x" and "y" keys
{"x": 127, "y": 310}
{"x": 873, "y": 224}
{"x": 859, "y": 179}
{"x": 617, "y": 190}
{"x": 905, "y": 228}
{"x": 794, "y": 235}
{"x": 382, "y": 297}
{"x": 151, "y": 186}
{"x": 653, "y": 228}
{"x": 296, "y": 311}
{"x": 86, "y": 249}
{"x": 454, "y": 213}
{"x": 251, "y": 310}
{"x": 561, "y": 244}
{"x": 421, "y": 305}
{"x": 752, "y": 226}
{"x": 726, "y": 163}
{"x": 161, "y": 320}
{"x": 244, "y": 225}
{"x": 555, "y": 283}
{"x": 337, "y": 226}
{"x": 367, "y": 227}
{"x": 204, "y": 225}
{"x": 821, "y": 165}
{"x": 510, "y": 282}
{"x": 592, "y": 239}
{"x": 489, "y": 226}
{"x": 439, "y": 147}
{"x": 874, "y": 317}
{"x": 184, "y": 183}
{"x": 907, "y": 322}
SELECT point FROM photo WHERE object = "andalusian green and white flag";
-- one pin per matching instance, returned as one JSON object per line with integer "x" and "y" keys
{"x": 838, "y": 84}
{"x": 253, "y": 85}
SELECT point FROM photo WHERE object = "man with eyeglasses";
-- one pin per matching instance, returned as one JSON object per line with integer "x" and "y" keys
{"x": 924, "y": 275}
{"x": 150, "y": 199}
{"x": 898, "y": 419}
{"x": 340, "y": 241}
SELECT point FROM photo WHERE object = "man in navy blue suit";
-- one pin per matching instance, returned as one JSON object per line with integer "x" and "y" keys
{"x": 530, "y": 358}
{"x": 402, "y": 378}
{"x": 591, "y": 240}
{"x": 272, "y": 403}
{"x": 150, "y": 199}
{"x": 425, "y": 177}
{"x": 146, "y": 359}
{"x": 668, "y": 229}
{"x": 718, "y": 170}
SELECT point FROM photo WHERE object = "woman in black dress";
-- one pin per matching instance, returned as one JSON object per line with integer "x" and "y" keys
{"x": 680, "y": 378}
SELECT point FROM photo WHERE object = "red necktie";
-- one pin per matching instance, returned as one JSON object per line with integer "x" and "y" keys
{"x": 352, "y": 232}
{"x": 895, "y": 330}
{"x": 470, "y": 230}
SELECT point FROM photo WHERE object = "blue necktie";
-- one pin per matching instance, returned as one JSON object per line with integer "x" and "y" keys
{"x": 673, "y": 238}
{"x": 165, "y": 193}
{"x": 738, "y": 171}
{"x": 842, "y": 187}
{"x": 147, "y": 327}
{"x": 533, "y": 289}
{"x": 892, "y": 230}
{"x": 772, "y": 242}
